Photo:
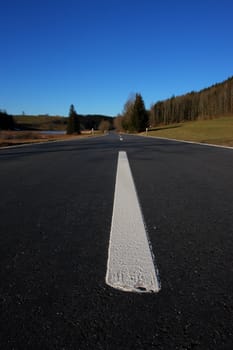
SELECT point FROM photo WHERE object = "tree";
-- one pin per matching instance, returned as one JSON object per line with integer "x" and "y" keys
{"x": 104, "y": 125}
{"x": 117, "y": 122}
{"x": 135, "y": 117}
{"x": 73, "y": 125}
{"x": 126, "y": 121}
{"x": 139, "y": 120}
{"x": 6, "y": 121}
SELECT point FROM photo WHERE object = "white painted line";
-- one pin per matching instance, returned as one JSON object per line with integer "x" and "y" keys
{"x": 197, "y": 143}
{"x": 192, "y": 142}
{"x": 130, "y": 264}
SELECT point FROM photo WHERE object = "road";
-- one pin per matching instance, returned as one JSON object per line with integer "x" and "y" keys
{"x": 55, "y": 220}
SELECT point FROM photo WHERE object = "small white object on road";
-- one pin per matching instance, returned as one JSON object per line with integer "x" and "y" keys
{"x": 130, "y": 259}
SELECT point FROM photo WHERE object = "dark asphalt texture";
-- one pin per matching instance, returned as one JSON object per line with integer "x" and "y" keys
{"x": 55, "y": 218}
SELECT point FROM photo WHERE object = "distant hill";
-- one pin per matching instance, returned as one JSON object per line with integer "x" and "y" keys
{"x": 211, "y": 102}
{"x": 57, "y": 123}
{"x": 90, "y": 121}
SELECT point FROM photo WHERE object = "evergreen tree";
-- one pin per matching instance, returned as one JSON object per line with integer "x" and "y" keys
{"x": 73, "y": 125}
{"x": 6, "y": 121}
{"x": 139, "y": 120}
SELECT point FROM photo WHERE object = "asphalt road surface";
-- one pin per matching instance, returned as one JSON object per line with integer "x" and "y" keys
{"x": 55, "y": 219}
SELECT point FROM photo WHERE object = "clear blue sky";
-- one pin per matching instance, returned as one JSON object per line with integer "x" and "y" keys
{"x": 95, "y": 53}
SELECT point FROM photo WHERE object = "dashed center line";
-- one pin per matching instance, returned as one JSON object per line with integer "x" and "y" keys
{"x": 130, "y": 264}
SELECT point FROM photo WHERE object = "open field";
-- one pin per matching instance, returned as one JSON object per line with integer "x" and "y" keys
{"x": 216, "y": 131}
{"x": 13, "y": 138}
{"x": 55, "y": 123}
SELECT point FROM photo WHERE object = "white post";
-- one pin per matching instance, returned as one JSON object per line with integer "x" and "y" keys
{"x": 146, "y": 131}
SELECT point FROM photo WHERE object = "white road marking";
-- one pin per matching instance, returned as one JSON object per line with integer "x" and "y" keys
{"x": 130, "y": 264}
{"x": 192, "y": 142}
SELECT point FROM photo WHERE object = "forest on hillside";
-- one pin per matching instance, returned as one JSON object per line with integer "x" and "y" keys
{"x": 208, "y": 103}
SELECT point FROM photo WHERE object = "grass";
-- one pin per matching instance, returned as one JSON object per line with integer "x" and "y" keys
{"x": 216, "y": 131}
{"x": 12, "y": 138}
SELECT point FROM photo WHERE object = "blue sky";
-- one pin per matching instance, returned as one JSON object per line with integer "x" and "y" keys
{"x": 96, "y": 53}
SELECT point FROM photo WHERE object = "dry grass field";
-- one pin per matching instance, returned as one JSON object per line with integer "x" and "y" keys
{"x": 13, "y": 138}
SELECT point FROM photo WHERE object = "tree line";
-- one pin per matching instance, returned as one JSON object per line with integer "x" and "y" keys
{"x": 214, "y": 101}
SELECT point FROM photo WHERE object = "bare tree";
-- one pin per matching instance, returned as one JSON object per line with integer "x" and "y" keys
{"x": 104, "y": 125}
